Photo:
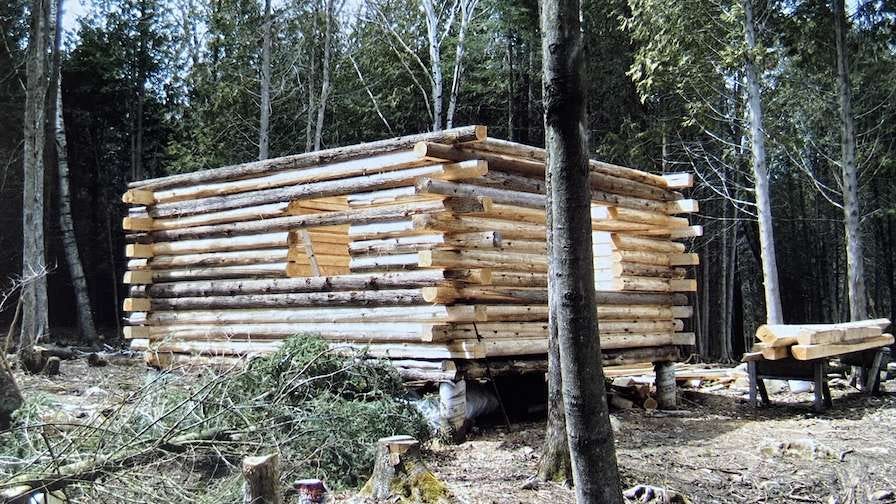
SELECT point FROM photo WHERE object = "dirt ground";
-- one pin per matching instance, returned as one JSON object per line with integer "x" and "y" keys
{"x": 722, "y": 451}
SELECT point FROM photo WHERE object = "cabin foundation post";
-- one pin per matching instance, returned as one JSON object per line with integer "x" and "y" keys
{"x": 665, "y": 385}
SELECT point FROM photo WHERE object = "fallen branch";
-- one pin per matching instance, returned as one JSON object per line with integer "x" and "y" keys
{"x": 90, "y": 470}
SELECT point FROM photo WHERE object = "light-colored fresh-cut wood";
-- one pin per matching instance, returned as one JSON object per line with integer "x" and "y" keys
{"x": 375, "y": 164}
{"x": 808, "y": 334}
{"x": 513, "y": 149}
{"x": 138, "y": 197}
{"x": 808, "y": 352}
{"x": 770, "y": 352}
{"x": 301, "y": 191}
{"x": 682, "y": 206}
{"x": 673, "y": 234}
{"x": 412, "y": 249}
{"x": 237, "y": 215}
{"x": 137, "y": 223}
{"x": 425, "y": 313}
{"x": 138, "y": 250}
{"x": 138, "y": 277}
{"x": 246, "y": 170}
{"x": 355, "y": 282}
{"x": 679, "y": 180}
{"x": 233, "y": 243}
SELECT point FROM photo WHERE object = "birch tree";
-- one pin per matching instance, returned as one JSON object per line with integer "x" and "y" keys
{"x": 855, "y": 269}
{"x": 467, "y": 10}
{"x": 35, "y": 322}
{"x": 571, "y": 296}
{"x": 435, "y": 62}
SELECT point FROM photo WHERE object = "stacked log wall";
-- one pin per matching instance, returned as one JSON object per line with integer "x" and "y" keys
{"x": 422, "y": 249}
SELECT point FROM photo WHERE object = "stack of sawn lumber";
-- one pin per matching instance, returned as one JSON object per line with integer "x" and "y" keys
{"x": 422, "y": 249}
{"x": 816, "y": 341}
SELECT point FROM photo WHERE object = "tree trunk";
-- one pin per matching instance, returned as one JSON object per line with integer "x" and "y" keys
{"x": 139, "y": 171}
{"x": 554, "y": 464}
{"x": 66, "y": 223}
{"x": 435, "y": 57}
{"x": 34, "y": 291}
{"x": 265, "y": 116}
{"x": 571, "y": 270}
{"x": 467, "y": 8}
{"x": 760, "y": 174}
{"x": 511, "y": 91}
{"x": 858, "y": 309}
{"x": 325, "y": 77}
{"x": 309, "y": 117}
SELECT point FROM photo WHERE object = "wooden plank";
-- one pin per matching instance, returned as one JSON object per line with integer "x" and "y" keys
{"x": 809, "y": 352}
{"x": 138, "y": 277}
{"x": 682, "y": 206}
{"x": 138, "y": 197}
{"x": 138, "y": 250}
{"x": 679, "y": 180}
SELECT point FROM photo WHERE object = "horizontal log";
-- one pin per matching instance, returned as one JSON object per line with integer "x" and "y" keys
{"x": 809, "y": 352}
{"x": 338, "y": 187}
{"x": 425, "y": 313}
{"x": 324, "y": 219}
{"x": 505, "y": 147}
{"x": 324, "y": 299}
{"x": 449, "y": 136}
{"x": 341, "y": 169}
{"x": 238, "y": 258}
{"x": 510, "y": 346}
{"x": 237, "y": 215}
{"x": 342, "y": 331}
{"x": 482, "y": 259}
{"x": 374, "y": 281}
{"x": 232, "y": 243}
{"x": 679, "y": 180}
{"x": 501, "y": 196}
{"x": 519, "y": 313}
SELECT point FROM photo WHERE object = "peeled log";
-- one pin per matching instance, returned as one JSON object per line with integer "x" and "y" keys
{"x": 449, "y": 136}
{"x": 373, "y": 282}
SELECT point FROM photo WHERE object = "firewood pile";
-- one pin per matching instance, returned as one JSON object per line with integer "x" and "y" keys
{"x": 816, "y": 341}
{"x": 424, "y": 249}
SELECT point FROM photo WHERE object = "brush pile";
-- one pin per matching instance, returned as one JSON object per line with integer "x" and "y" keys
{"x": 183, "y": 442}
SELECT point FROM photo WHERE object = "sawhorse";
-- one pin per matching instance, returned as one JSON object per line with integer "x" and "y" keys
{"x": 815, "y": 371}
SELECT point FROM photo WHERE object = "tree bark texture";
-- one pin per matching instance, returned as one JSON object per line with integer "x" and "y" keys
{"x": 264, "y": 122}
{"x": 34, "y": 291}
{"x": 760, "y": 175}
{"x": 858, "y": 308}
{"x": 262, "y": 475}
{"x": 467, "y": 9}
{"x": 325, "y": 76}
{"x": 67, "y": 226}
{"x": 435, "y": 61}
{"x": 571, "y": 274}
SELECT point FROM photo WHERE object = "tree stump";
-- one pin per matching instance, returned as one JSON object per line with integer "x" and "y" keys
{"x": 262, "y": 476}
{"x": 10, "y": 398}
{"x": 399, "y": 474}
{"x": 51, "y": 368}
{"x": 33, "y": 360}
{"x": 665, "y": 385}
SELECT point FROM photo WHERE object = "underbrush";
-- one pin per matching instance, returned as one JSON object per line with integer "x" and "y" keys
{"x": 176, "y": 441}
